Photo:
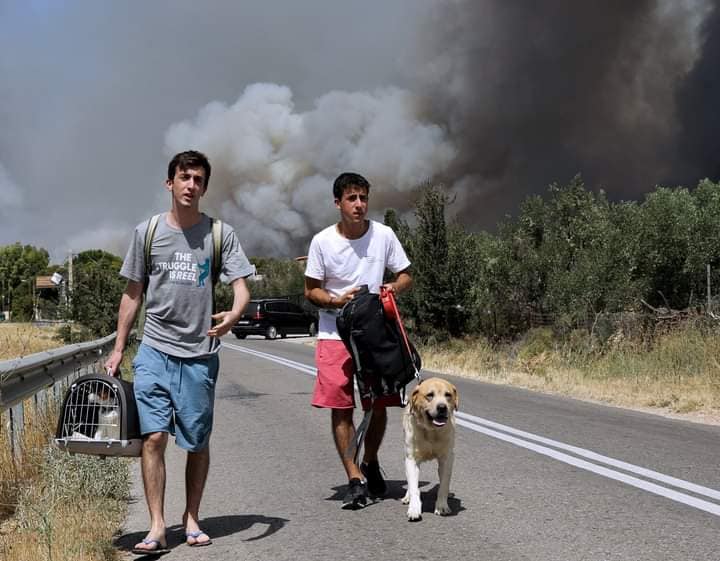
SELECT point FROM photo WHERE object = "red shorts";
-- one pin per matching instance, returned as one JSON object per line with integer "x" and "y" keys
{"x": 334, "y": 386}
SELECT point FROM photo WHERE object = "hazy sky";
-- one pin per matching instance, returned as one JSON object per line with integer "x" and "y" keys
{"x": 496, "y": 99}
{"x": 88, "y": 90}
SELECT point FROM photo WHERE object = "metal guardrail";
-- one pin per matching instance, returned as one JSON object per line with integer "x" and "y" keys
{"x": 21, "y": 378}
{"x": 40, "y": 374}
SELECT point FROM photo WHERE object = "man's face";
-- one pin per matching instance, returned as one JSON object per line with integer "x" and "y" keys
{"x": 354, "y": 204}
{"x": 187, "y": 187}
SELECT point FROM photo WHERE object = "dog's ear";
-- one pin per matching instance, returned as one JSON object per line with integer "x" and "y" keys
{"x": 456, "y": 397}
{"x": 413, "y": 398}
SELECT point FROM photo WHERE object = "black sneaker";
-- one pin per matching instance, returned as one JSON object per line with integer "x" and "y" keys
{"x": 375, "y": 482}
{"x": 356, "y": 495}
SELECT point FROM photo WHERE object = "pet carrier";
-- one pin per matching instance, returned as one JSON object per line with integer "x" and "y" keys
{"x": 99, "y": 417}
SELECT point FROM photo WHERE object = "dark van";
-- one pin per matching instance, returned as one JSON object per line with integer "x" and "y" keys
{"x": 275, "y": 316}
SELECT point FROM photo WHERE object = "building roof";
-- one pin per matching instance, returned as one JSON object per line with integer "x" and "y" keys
{"x": 44, "y": 282}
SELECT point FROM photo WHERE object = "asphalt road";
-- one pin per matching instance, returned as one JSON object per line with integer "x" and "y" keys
{"x": 536, "y": 478}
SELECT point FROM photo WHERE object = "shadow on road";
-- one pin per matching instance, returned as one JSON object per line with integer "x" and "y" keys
{"x": 215, "y": 526}
{"x": 396, "y": 491}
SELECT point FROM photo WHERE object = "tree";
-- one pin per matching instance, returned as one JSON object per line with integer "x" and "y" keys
{"x": 667, "y": 225}
{"x": 443, "y": 266}
{"x": 280, "y": 277}
{"x": 566, "y": 259}
{"x": 19, "y": 265}
{"x": 706, "y": 243}
{"x": 97, "y": 290}
{"x": 583, "y": 254}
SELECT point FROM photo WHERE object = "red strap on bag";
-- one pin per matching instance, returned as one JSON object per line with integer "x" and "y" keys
{"x": 387, "y": 297}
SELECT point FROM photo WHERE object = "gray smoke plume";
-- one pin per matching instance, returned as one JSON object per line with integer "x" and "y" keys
{"x": 535, "y": 92}
{"x": 494, "y": 98}
{"x": 273, "y": 167}
{"x": 10, "y": 194}
{"x": 698, "y": 109}
{"x": 11, "y": 202}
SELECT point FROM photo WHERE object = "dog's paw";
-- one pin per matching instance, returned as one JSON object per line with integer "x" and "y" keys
{"x": 414, "y": 515}
{"x": 442, "y": 508}
{"x": 414, "y": 511}
{"x": 406, "y": 499}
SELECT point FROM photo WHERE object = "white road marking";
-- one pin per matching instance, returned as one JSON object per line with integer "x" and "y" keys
{"x": 643, "y": 472}
{"x": 528, "y": 441}
{"x": 701, "y": 504}
{"x": 304, "y": 368}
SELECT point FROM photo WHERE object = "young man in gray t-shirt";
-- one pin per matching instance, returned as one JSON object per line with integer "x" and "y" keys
{"x": 176, "y": 366}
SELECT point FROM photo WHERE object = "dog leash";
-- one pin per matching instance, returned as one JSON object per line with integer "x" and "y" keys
{"x": 387, "y": 298}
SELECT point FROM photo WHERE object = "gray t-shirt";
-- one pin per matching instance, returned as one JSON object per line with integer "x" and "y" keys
{"x": 178, "y": 302}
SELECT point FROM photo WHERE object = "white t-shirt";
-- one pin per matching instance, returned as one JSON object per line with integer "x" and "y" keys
{"x": 341, "y": 264}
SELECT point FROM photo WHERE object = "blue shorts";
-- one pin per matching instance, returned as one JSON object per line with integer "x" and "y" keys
{"x": 176, "y": 393}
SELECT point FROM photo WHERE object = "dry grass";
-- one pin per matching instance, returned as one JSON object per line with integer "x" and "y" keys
{"x": 54, "y": 506}
{"x": 22, "y": 339}
{"x": 678, "y": 374}
{"x": 61, "y": 506}
{"x": 77, "y": 530}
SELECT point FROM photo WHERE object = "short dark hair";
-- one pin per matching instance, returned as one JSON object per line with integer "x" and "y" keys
{"x": 189, "y": 159}
{"x": 347, "y": 179}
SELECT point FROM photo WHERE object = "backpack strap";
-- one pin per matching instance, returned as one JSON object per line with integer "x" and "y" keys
{"x": 149, "y": 234}
{"x": 216, "y": 262}
{"x": 217, "y": 250}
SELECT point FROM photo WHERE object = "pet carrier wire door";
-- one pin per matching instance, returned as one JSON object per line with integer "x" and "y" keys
{"x": 99, "y": 417}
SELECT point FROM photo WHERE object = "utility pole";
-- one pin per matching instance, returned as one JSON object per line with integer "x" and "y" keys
{"x": 70, "y": 278}
{"x": 33, "y": 280}
{"x": 709, "y": 299}
{"x": 3, "y": 286}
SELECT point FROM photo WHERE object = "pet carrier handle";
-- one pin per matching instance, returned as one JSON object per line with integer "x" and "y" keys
{"x": 118, "y": 373}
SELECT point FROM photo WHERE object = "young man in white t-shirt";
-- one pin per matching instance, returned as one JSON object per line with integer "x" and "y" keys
{"x": 343, "y": 257}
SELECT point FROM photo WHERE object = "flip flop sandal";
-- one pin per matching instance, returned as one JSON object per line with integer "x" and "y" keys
{"x": 195, "y": 536}
{"x": 159, "y": 549}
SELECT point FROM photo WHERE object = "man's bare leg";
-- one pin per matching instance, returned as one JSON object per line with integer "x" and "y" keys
{"x": 153, "y": 472}
{"x": 344, "y": 432}
{"x": 196, "y": 471}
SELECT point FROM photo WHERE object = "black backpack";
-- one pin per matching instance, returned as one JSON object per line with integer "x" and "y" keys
{"x": 383, "y": 364}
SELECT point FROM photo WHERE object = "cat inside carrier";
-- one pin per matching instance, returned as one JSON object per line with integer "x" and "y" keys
{"x": 99, "y": 417}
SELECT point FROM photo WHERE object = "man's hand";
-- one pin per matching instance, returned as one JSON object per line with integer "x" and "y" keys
{"x": 112, "y": 364}
{"x": 403, "y": 281}
{"x": 344, "y": 298}
{"x": 390, "y": 287}
{"x": 225, "y": 321}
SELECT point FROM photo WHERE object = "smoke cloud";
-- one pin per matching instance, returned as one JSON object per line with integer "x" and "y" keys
{"x": 10, "y": 195}
{"x": 698, "y": 108}
{"x": 273, "y": 166}
{"x": 494, "y": 99}
{"x": 535, "y": 92}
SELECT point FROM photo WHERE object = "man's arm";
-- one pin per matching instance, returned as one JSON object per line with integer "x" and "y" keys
{"x": 403, "y": 281}
{"x": 241, "y": 297}
{"x": 322, "y": 298}
{"x": 130, "y": 303}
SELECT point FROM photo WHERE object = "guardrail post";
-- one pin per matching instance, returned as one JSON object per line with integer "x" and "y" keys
{"x": 16, "y": 425}
{"x": 40, "y": 401}
{"x": 7, "y": 428}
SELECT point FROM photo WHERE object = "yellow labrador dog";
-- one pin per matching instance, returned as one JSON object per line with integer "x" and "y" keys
{"x": 429, "y": 423}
